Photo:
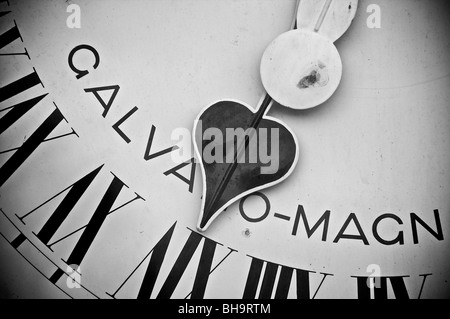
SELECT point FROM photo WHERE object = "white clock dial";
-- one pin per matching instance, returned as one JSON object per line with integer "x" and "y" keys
{"x": 92, "y": 174}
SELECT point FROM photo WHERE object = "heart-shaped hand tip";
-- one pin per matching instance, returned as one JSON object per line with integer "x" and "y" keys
{"x": 239, "y": 155}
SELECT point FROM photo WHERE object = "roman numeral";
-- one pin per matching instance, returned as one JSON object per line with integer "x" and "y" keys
{"x": 19, "y": 86}
{"x": 76, "y": 191}
{"x": 282, "y": 287}
{"x": 158, "y": 253}
{"x": 10, "y": 36}
{"x": 30, "y": 145}
{"x": 74, "y": 194}
{"x": 15, "y": 112}
{"x": 379, "y": 289}
{"x": 3, "y": 13}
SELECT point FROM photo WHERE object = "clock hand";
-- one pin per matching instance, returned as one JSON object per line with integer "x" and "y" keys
{"x": 264, "y": 106}
{"x": 225, "y": 176}
{"x": 302, "y": 68}
{"x": 238, "y": 152}
{"x": 330, "y": 18}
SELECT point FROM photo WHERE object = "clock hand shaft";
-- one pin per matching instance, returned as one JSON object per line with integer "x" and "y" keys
{"x": 294, "y": 21}
{"x": 322, "y": 16}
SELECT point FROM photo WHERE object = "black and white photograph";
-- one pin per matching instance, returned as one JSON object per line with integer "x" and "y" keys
{"x": 240, "y": 151}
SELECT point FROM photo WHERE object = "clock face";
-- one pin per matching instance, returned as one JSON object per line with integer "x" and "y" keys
{"x": 101, "y": 192}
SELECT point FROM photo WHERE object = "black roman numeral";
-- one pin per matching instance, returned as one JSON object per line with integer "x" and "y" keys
{"x": 15, "y": 113}
{"x": 76, "y": 191}
{"x": 158, "y": 253}
{"x": 19, "y": 85}
{"x": 9, "y": 36}
{"x": 379, "y": 287}
{"x": 284, "y": 281}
